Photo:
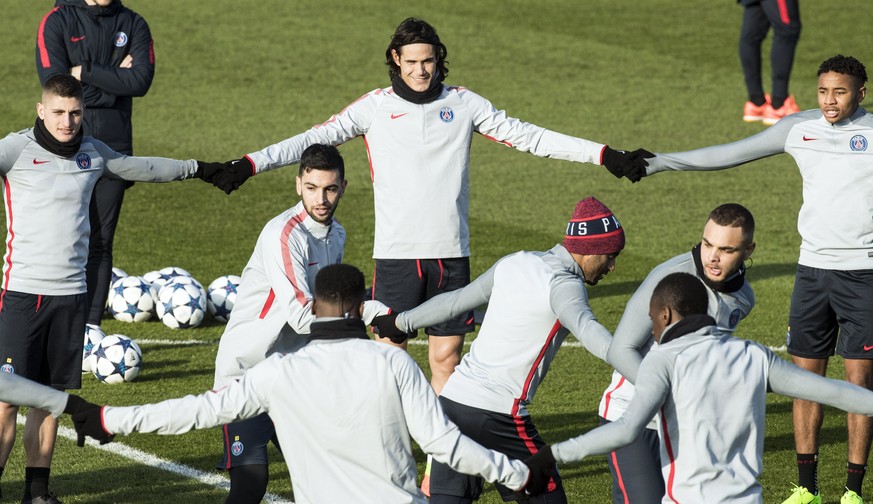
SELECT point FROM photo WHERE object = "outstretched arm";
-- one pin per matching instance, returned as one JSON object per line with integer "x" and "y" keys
{"x": 23, "y": 392}
{"x": 787, "y": 379}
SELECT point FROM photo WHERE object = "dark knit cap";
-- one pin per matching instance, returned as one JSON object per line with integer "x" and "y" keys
{"x": 593, "y": 229}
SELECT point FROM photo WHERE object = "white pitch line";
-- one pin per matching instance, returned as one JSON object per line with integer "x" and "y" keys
{"x": 172, "y": 342}
{"x": 207, "y": 478}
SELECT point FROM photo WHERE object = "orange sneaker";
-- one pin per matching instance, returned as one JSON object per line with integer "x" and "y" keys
{"x": 753, "y": 113}
{"x": 771, "y": 115}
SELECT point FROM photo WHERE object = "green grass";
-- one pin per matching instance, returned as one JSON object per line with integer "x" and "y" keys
{"x": 233, "y": 77}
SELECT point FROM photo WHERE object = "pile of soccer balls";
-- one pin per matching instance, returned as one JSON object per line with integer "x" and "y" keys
{"x": 172, "y": 294}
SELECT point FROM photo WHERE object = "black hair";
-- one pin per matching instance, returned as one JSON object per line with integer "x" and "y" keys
{"x": 683, "y": 293}
{"x": 416, "y": 31}
{"x": 845, "y": 65}
{"x": 735, "y": 215}
{"x": 341, "y": 285}
{"x": 322, "y": 157}
{"x": 65, "y": 86}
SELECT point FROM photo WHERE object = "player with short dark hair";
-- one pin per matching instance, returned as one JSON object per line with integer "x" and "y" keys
{"x": 48, "y": 173}
{"x": 710, "y": 391}
{"x": 347, "y": 409}
{"x": 832, "y": 303}
{"x": 534, "y": 300}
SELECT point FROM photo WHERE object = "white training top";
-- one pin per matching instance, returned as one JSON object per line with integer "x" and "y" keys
{"x": 710, "y": 389}
{"x": 633, "y": 336}
{"x": 419, "y": 162}
{"x": 346, "y": 409}
{"x": 534, "y": 300}
{"x": 47, "y": 202}
{"x": 836, "y": 163}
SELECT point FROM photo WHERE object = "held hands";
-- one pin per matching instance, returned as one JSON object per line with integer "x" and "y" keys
{"x": 542, "y": 469}
{"x": 626, "y": 164}
{"x": 227, "y": 176}
{"x": 87, "y": 420}
{"x": 387, "y": 328}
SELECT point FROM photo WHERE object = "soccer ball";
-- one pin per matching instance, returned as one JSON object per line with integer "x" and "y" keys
{"x": 117, "y": 359}
{"x": 221, "y": 295}
{"x": 116, "y": 274}
{"x": 162, "y": 277}
{"x": 132, "y": 300}
{"x": 93, "y": 337}
{"x": 181, "y": 305}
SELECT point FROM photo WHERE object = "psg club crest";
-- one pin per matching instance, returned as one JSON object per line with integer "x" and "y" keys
{"x": 447, "y": 114}
{"x": 858, "y": 143}
{"x": 734, "y": 319}
{"x": 7, "y": 368}
{"x": 120, "y": 39}
{"x": 83, "y": 161}
{"x": 236, "y": 448}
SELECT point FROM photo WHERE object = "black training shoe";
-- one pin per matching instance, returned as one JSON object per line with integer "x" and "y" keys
{"x": 48, "y": 498}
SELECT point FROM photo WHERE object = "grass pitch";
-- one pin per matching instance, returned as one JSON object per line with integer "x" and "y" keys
{"x": 233, "y": 77}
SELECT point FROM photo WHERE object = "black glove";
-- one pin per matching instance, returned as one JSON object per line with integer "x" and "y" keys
{"x": 86, "y": 420}
{"x": 208, "y": 171}
{"x": 234, "y": 174}
{"x": 542, "y": 469}
{"x": 386, "y": 328}
{"x": 626, "y": 164}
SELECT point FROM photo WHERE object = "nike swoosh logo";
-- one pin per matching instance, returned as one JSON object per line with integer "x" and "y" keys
{"x": 398, "y": 116}
{"x": 868, "y": 348}
{"x": 807, "y": 139}
{"x": 77, "y": 39}
{"x": 41, "y": 162}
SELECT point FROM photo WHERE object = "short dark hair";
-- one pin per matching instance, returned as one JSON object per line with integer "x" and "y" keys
{"x": 735, "y": 215}
{"x": 683, "y": 293}
{"x": 340, "y": 284}
{"x": 845, "y": 65}
{"x": 322, "y": 157}
{"x": 65, "y": 86}
{"x": 416, "y": 31}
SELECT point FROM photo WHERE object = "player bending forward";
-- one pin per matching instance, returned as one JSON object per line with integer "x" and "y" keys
{"x": 348, "y": 406}
{"x": 710, "y": 389}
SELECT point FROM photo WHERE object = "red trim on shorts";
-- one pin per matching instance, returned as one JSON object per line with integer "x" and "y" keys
{"x": 418, "y": 265}
{"x": 618, "y": 476}
{"x": 373, "y": 288}
{"x": 38, "y": 301}
{"x": 442, "y": 269}
{"x": 226, "y": 445}
{"x": 287, "y": 260}
{"x": 672, "y": 475}
{"x": 609, "y": 396}
{"x": 784, "y": 15}
{"x": 267, "y": 304}
{"x": 40, "y": 41}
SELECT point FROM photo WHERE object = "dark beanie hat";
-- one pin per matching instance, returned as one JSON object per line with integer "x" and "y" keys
{"x": 593, "y": 229}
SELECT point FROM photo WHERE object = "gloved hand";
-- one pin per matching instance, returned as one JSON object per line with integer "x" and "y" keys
{"x": 387, "y": 328}
{"x": 542, "y": 469}
{"x": 86, "y": 420}
{"x": 626, "y": 164}
{"x": 207, "y": 171}
{"x": 234, "y": 175}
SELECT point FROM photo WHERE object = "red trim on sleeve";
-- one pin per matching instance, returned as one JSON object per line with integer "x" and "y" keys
{"x": 103, "y": 419}
{"x": 287, "y": 260}
{"x": 601, "y": 154}
{"x": 9, "y": 247}
{"x": 369, "y": 158}
{"x": 40, "y": 41}
{"x": 267, "y": 304}
{"x": 254, "y": 168}
{"x": 489, "y": 137}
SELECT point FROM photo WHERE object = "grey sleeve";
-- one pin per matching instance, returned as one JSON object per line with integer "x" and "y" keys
{"x": 144, "y": 169}
{"x": 450, "y": 304}
{"x": 769, "y": 142}
{"x": 651, "y": 392}
{"x": 634, "y": 331}
{"x": 569, "y": 301}
{"x": 11, "y": 148}
{"x": 787, "y": 379}
{"x": 23, "y": 392}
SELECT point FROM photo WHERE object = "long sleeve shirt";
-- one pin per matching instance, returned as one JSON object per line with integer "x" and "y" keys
{"x": 419, "y": 163}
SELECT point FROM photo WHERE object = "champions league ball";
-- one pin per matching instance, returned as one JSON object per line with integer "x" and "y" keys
{"x": 221, "y": 295}
{"x": 116, "y": 274}
{"x": 158, "y": 279}
{"x": 181, "y": 305}
{"x": 93, "y": 337}
{"x": 117, "y": 359}
{"x": 132, "y": 300}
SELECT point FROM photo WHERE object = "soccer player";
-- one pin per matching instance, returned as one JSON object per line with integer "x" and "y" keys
{"x": 833, "y": 287}
{"x": 710, "y": 389}
{"x": 534, "y": 300}
{"x": 109, "y": 49}
{"x": 718, "y": 261}
{"x": 418, "y": 133}
{"x": 48, "y": 174}
{"x": 346, "y": 405}
{"x": 273, "y": 308}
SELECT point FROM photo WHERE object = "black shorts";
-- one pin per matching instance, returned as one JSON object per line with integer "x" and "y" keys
{"x": 636, "y": 470}
{"x": 245, "y": 442}
{"x": 41, "y": 337}
{"x": 831, "y": 312}
{"x": 514, "y": 436}
{"x": 403, "y": 284}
